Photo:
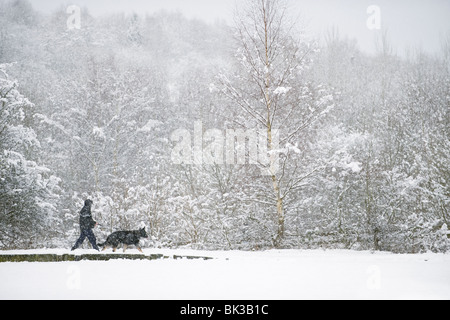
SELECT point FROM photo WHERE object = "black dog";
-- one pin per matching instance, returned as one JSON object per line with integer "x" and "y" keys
{"x": 127, "y": 238}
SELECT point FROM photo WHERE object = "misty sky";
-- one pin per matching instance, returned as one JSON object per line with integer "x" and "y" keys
{"x": 410, "y": 23}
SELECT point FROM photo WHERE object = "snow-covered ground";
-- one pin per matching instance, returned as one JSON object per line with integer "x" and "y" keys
{"x": 268, "y": 275}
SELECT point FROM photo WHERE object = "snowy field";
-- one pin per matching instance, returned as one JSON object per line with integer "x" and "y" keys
{"x": 269, "y": 275}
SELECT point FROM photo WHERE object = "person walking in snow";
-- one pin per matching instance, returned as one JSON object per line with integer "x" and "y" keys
{"x": 87, "y": 224}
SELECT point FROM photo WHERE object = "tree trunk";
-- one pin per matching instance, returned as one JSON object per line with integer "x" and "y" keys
{"x": 276, "y": 185}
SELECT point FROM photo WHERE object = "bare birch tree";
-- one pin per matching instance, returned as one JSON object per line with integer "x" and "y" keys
{"x": 271, "y": 93}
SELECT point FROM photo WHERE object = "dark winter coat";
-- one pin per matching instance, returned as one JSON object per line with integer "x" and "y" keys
{"x": 86, "y": 221}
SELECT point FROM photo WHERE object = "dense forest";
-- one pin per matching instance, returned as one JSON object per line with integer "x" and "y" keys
{"x": 139, "y": 113}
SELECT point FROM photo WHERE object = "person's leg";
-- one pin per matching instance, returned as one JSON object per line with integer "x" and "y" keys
{"x": 80, "y": 240}
{"x": 92, "y": 239}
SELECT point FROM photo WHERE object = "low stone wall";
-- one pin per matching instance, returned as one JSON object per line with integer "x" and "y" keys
{"x": 88, "y": 257}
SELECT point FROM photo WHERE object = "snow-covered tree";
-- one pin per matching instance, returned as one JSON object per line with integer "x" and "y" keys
{"x": 28, "y": 204}
{"x": 271, "y": 93}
